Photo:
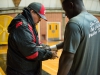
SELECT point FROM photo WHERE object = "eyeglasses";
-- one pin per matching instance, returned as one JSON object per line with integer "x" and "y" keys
{"x": 39, "y": 16}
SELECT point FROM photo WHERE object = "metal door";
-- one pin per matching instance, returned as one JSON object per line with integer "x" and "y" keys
{"x": 4, "y": 22}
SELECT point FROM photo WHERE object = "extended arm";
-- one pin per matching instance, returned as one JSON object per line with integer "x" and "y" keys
{"x": 65, "y": 63}
{"x": 57, "y": 46}
{"x": 27, "y": 47}
{"x": 71, "y": 43}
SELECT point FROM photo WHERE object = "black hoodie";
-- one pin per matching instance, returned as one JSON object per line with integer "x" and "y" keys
{"x": 23, "y": 54}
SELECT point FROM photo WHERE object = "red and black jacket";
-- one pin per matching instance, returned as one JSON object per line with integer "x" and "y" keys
{"x": 23, "y": 55}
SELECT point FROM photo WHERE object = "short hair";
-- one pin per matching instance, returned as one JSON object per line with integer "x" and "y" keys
{"x": 69, "y": 0}
{"x": 65, "y": 0}
{"x": 74, "y": 1}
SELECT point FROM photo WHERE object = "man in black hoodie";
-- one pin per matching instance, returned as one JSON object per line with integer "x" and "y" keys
{"x": 24, "y": 57}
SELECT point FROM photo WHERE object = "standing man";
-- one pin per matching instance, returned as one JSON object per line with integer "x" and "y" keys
{"x": 24, "y": 56}
{"x": 81, "y": 47}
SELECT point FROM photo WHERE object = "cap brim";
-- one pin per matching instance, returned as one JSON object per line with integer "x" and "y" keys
{"x": 42, "y": 16}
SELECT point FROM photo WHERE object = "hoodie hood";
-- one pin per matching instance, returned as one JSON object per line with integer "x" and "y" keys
{"x": 26, "y": 16}
{"x": 12, "y": 25}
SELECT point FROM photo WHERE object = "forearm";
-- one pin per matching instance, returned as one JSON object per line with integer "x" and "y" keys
{"x": 65, "y": 64}
{"x": 39, "y": 54}
{"x": 44, "y": 55}
{"x": 58, "y": 46}
{"x": 64, "y": 69}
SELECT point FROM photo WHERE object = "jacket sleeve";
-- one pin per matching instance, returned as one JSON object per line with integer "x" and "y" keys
{"x": 27, "y": 47}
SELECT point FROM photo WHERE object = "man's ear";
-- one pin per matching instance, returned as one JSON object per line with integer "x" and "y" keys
{"x": 31, "y": 11}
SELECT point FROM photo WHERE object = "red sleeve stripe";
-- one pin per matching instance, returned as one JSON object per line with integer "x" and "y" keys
{"x": 18, "y": 24}
{"x": 30, "y": 28}
{"x": 33, "y": 56}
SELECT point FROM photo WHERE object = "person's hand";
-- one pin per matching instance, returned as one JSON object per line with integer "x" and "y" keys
{"x": 54, "y": 54}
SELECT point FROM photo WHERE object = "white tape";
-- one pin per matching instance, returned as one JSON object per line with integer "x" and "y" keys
{"x": 40, "y": 46}
{"x": 54, "y": 47}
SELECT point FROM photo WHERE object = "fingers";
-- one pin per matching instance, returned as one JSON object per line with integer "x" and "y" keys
{"x": 54, "y": 54}
{"x": 57, "y": 57}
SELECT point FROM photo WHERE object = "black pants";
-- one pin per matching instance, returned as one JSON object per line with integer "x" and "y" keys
{"x": 10, "y": 71}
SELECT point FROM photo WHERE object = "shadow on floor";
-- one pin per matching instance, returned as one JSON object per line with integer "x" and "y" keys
{"x": 45, "y": 73}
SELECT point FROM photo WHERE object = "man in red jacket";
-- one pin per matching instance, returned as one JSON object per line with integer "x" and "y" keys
{"x": 24, "y": 57}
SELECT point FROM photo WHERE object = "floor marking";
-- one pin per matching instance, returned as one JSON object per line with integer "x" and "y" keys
{"x": 49, "y": 68}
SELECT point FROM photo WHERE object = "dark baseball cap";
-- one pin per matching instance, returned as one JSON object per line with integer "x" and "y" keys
{"x": 38, "y": 8}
